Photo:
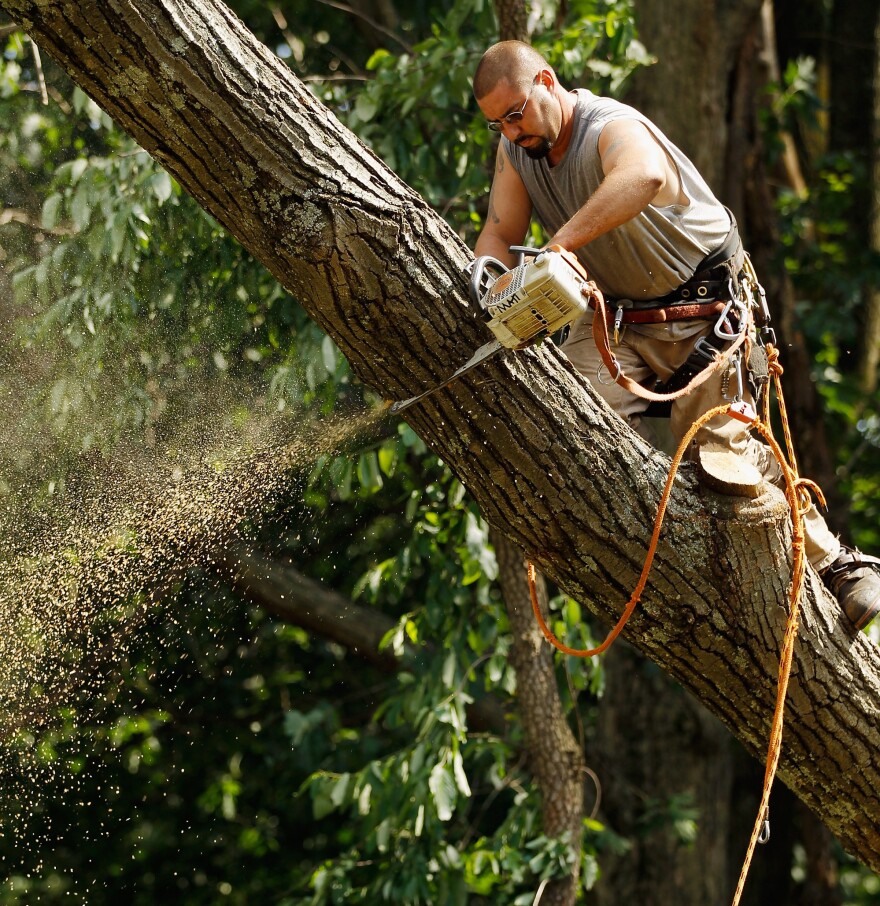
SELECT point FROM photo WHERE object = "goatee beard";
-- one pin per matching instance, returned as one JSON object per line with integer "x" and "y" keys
{"x": 540, "y": 151}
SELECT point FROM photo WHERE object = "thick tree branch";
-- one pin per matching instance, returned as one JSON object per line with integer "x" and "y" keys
{"x": 286, "y": 593}
{"x": 547, "y": 462}
{"x": 289, "y": 595}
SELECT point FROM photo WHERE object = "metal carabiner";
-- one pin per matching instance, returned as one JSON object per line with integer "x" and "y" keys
{"x": 614, "y": 377}
{"x": 764, "y": 836}
{"x": 736, "y": 360}
{"x": 720, "y": 332}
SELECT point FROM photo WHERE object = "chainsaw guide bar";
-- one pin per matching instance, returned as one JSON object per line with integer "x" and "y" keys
{"x": 481, "y": 355}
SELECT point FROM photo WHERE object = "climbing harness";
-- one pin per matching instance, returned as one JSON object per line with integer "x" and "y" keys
{"x": 750, "y": 332}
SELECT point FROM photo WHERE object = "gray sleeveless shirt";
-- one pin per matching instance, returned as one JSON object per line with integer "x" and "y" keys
{"x": 657, "y": 250}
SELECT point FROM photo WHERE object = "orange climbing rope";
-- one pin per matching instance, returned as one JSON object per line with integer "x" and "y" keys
{"x": 797, "y": 492}
{"x": 649, "y": 559}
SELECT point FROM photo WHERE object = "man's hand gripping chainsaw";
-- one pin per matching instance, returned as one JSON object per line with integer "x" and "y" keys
{"x": 547, "y": 290}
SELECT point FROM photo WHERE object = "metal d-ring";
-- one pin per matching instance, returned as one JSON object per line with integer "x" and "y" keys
{"x": 613, "y": 379}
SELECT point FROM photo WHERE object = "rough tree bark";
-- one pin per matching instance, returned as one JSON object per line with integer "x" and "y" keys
{"x": 550, "y": 466}
{"x": 687, "y": 92}
{"x": 513, "y": 20}
{"x": 662, "y": 753}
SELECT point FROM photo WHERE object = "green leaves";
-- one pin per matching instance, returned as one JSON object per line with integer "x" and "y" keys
{"x": 442, "y": 785}
{"x": 52, "y": 210}
{"x": 162, "y": 185}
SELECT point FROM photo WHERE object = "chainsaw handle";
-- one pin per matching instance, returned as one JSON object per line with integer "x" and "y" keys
{"x": 523, "y": 250}
{"x": 478, "y": 286}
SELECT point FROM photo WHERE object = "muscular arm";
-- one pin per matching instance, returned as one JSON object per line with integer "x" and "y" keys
{"x": 510, "y": 211}
{"x": 637, "y": 173}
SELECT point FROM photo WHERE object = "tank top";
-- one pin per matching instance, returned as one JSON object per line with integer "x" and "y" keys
{"x": 649, "y": 255}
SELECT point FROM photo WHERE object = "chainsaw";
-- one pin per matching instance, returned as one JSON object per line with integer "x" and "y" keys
{"x": 521, "y": 305}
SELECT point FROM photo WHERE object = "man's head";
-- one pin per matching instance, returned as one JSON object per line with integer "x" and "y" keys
{"x": 516, "y": 90}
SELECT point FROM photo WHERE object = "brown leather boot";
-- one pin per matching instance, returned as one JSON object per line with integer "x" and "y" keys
{"x": 854, "y": 581}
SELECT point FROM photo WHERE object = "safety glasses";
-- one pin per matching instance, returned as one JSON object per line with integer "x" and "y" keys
{"x": 511, "y": 118}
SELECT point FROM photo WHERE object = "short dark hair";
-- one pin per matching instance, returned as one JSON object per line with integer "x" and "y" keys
{"x": 512, "y": 61}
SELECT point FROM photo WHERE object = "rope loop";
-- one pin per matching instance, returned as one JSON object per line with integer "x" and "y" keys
{"x": 807, "y": 489}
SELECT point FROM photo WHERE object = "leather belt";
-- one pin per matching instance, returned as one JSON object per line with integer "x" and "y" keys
{"x": 681, "y": 312}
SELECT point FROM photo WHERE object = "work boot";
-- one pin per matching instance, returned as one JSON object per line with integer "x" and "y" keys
{"x": 854, "y": 581}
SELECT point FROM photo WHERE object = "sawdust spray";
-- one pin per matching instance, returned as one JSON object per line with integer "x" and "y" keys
{"x": 80, "y": 570}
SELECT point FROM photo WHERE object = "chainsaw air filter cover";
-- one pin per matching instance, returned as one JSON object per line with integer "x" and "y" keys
{"x": 536, "y": 298}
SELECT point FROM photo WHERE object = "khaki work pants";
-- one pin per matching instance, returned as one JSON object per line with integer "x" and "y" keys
{"x": 649, "y": 351}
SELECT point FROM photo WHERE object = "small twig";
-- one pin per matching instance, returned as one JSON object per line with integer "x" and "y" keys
{"x": 292, "y": 41}
{"x": 339, "y": 77}
{"x": 63, "y": 106}
{"x": 598, "y": 784}
{"x": 345, "y": 58}
{"x": 372, "y": 23}
{"x": 540, "y": 892}
{"x": 41, "y": 79}
{"x": 11, "y": 28}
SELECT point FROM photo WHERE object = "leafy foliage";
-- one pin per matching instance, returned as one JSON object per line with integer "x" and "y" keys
{"x": 233, "y": 758}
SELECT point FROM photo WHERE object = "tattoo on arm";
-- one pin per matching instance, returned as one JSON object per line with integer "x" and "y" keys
{"x": 615, "y": 146}
{"x": 492, "y": 214}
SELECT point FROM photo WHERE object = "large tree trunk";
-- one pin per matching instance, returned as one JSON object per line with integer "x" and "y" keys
{"x": 869, "y": 360}
{"x": 555, "y": 757}
{"x": 869, "y": 354}
{"x": 664, "y": 761}
{"x": 687, "y": 91}
{"x": 660, "y": 752}
{"x": 756, "y": 196}
{"x": 548, "y": 463}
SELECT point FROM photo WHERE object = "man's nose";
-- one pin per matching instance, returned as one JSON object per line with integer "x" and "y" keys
{"x": 512, "y": 131}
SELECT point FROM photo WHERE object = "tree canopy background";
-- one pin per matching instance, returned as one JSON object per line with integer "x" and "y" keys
{"x": 202, "y": 741}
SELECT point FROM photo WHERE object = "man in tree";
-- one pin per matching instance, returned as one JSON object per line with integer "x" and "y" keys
{"x": 606, "y": 184}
